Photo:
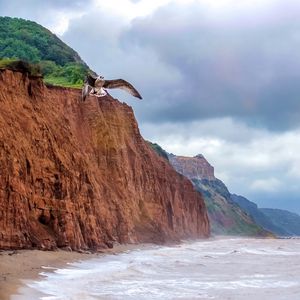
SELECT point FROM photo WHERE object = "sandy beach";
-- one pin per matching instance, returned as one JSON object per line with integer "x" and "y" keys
{"x": 19, "y": 265}
{"x": 229, "y": 268}
{"x": 27, "y": 264}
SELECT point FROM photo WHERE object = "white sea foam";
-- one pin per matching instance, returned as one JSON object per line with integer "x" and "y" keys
{"x": 213, "y": 269}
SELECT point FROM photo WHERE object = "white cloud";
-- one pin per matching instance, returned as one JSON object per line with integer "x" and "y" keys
{"x": 60, "y": 23}
{"x": 53, "y": 14}
{"x": 128, "y": 9}
{"x": 294, "y": 171}
{"x": 266, "y": 185}
{"x": 250, "y": 161}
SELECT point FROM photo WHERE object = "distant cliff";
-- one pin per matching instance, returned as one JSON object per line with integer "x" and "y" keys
{"x": 226, "y": 217}
{"x": 80, "y": 175}
{"x": 193, "y": 167}
{"x": 258, "y": 215}
{"x": 281, "y": 222}
{"x": 285, "y": 220}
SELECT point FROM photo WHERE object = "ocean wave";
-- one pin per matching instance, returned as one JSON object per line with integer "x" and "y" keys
{"x": 215, "y": 269}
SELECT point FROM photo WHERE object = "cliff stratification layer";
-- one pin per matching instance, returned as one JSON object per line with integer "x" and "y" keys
{"x": 80, "y": 175}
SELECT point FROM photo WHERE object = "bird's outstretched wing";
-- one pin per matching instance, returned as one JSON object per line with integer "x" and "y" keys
{"x": 122, "y": 84}
{"x": 85, "y": 91}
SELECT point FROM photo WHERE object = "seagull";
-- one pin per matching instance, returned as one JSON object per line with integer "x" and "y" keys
{"x": 95, "y": 86}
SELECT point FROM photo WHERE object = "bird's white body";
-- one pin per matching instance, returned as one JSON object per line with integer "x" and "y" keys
{"x": 98, "y": 90}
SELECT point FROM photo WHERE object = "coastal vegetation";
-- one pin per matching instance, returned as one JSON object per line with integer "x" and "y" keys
{"x": 47, "y": 54}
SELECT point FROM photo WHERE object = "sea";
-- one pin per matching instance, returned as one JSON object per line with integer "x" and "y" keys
{"x": 218, "y": 268}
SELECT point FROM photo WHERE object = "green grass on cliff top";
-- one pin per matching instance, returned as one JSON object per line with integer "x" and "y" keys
{"x": 36, "y": 70}
{"x": 62, "y": 81}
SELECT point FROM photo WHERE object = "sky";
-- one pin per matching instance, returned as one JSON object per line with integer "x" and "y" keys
{"x": 221, "y": 78}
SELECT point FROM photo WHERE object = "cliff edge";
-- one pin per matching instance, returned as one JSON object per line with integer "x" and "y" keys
{"x": 80, "y": 175}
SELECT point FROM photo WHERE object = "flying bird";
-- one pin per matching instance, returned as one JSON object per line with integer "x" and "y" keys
{"x": 96, "y": 86}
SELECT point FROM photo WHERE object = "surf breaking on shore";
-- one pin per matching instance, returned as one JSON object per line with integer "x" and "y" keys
{"x": 17, "y": 267}
{"x": 215, "y": 269}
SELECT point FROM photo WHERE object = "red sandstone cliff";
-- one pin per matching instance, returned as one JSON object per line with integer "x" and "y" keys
{"x": 80, "y": 174}
{"x": 196, "y": 167}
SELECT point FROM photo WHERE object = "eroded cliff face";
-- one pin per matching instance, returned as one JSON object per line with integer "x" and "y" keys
{"x": 80, "y": 175}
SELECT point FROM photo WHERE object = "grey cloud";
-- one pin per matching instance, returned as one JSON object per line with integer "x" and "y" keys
{"x": 242, "y": 63}
{"x": 245, "y": 66}
{"x": 99, "y": 44}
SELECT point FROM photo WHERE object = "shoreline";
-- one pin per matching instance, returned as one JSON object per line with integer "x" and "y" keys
{"x": 20, "y": 266}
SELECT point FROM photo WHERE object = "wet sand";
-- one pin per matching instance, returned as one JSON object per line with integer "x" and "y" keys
{"x": 17, "y": 266}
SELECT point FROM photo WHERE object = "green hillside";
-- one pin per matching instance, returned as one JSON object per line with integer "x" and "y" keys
{"x": 226, "y": 217}
{"x": 259, "y": 216}
{"x": 159, "y": 150}
{"x": 287, "y": 221}
{"x": 31, "y": 42}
